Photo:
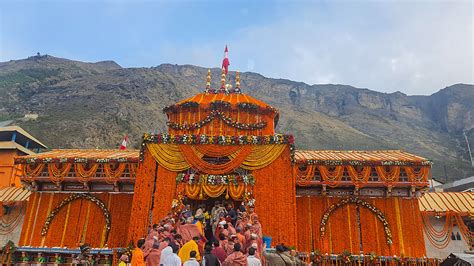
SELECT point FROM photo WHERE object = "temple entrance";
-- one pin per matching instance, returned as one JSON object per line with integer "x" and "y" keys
{"x": 209, "y": 205}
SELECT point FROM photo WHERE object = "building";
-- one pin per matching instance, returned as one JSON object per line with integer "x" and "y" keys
{"x": 447, "y": 219}
{"x": 221, "y": 144}
{"x": 14, "y": 141}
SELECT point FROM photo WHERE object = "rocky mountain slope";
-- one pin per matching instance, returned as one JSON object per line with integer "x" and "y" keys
{"x": 82, "y": 105}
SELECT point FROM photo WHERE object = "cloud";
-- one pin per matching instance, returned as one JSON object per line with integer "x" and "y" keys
{"x": 416, "y": 48}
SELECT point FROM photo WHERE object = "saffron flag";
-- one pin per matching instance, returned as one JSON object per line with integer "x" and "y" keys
{"x": 225, "y": 62}
{"x": 123, "y": 146}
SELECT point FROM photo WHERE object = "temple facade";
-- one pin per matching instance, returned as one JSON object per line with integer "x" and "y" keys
{"x": 222, "y": 144}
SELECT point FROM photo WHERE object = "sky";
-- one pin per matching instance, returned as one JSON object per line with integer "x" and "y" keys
{"x": 416, "y": 47}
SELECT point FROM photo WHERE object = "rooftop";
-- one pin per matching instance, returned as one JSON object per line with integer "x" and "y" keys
{"x": 441, "y": 202}
{"x": 18, "y": 135}
{"x": 81, "y": 155}
{"x": 383, "y": 157}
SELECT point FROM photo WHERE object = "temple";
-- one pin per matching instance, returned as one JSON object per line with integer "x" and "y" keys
{"x": 221, "y": 144}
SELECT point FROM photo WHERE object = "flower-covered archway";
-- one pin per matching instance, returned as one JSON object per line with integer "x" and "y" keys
{"x": 71, "y": 198}
{"x": 358, "y": 202}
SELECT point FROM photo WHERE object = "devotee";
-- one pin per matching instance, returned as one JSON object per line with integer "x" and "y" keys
{"x": 252, "y": 214}
{"x": 178, "y": 240}
{"x": 256, "y": 227}
{"x": 83, "y": 257}
{"x": 192, "y": 259}
{"x": 236, "y": 257}
{"x": 164, "y": 243}
{"x": 187, "y": 212}
{"x": 240, "y": 236}
{"x": 152, "y": 256}
{"x": 200, "y": 212}
{"x": 251, "y": 259}
{"x": 188, "y": 230}
{"x": 230, "y": 244}
{"x": 223, "y": 242}
{"x": 281, "y": 257}
{"x": 231, "y": 213}
{"x": 164, "y": 254}
{"x": 123, "y": 260}
{"x": 219, "y": 252}
{"x": 169, "y": 256}
{"x": 231, "y": 229}
{"x": 191, "y": 245}
{"x": 209, "y": 259}
{"x": 137, "y": 254}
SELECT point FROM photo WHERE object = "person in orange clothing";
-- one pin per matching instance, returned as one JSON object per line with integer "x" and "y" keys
{"x": 137, "y": 254}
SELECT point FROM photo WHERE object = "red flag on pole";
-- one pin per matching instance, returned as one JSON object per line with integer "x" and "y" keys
{"x": 225, "y": 62}
{"x": 123, "y": 146}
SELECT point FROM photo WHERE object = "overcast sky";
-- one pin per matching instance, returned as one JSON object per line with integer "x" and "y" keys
{"x": 413, "y": 47}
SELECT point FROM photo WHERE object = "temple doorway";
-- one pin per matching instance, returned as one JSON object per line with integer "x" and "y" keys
{"x": 209, "y": 204}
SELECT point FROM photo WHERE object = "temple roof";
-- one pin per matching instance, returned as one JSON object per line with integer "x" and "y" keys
{"x": 388, "y": 157}
{"x": 440, "y": 202}
{"x": 81, "y": 155}
{"x": 338, "y": 157}
{"x": 205, "y": 99}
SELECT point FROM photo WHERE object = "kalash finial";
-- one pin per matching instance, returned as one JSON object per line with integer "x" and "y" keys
{"x": 208, "y": 81}
{"x": 237, "y": 79}
{"x": 223, "y": 79}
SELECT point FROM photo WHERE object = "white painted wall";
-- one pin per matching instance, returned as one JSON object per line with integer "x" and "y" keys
{"x": 454, "y": 246}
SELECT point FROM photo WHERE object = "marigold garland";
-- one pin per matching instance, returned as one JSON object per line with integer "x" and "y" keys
{"x": 357, "y": 201}
{"x": 73, "y": 197}
{"x": 197, "y": 163}
{"x": 84, "y": 174}
{"x": 389, "y": 176}
{"x": 332, "y": 177}
{"x": 112, "y": 175}
{"x": 439, "y": 239}
{"x": 29, "y": 171}
{"x": 57, "y": 174}
{"x": 217, "y": 114}
{"x": 203, "y": 191}
{"x": 181, "y": 157}
{"x": 362, "y": 176}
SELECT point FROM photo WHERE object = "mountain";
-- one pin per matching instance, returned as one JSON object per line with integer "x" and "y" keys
{"x": 85, "y": 105}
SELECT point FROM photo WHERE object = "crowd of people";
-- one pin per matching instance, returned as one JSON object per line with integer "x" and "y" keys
{"x": 223, "y": 235}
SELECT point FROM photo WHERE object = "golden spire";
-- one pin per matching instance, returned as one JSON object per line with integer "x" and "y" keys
{"x": 237, "y": 79}
{"x": 223, "y": 78}
{"x": 208, "y": 81}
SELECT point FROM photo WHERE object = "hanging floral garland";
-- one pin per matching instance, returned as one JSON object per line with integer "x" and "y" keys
{"x": 165, "y": 138}
{"x": 359, "y": 202}
{"x": 73, "y": 197}
{"x": 217, "y": 114}
{"x": 191, "y": 178}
